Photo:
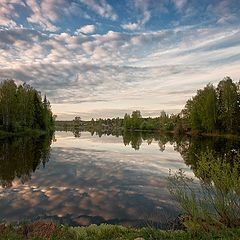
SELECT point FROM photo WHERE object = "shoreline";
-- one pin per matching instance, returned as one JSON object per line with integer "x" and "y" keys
{"x": 191, "y": 133}
{"x": 43, "y": 230}
{"x": 160, "y": 131}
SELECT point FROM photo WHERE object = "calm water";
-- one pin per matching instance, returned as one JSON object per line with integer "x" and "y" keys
{"x": 91, "y": 179}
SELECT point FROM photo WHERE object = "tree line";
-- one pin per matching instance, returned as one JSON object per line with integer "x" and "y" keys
{"x": 212, "y": 109}
{"x": 215, "y": 108}
{"x": 22, "y": 108}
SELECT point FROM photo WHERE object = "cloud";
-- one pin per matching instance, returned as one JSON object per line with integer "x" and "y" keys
{"x": 227, "y": 19}
{"x": 145, "y": 15}
{"x": 114, "y": 69}
{"x": 48, "y": 14}
{"x": 8, "y": 12}
{"x": 179, "y": 4}
{"x": 93, "y": 182}
{"x": 43, "y": 14}
{"x": 131, "y": 26}
{"x": 224, "y": 11}
{"x": 102, "y": 8}
{"x": 86, "y": 29}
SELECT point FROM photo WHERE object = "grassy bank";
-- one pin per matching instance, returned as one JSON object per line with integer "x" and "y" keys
{"x": 49, "y": 230}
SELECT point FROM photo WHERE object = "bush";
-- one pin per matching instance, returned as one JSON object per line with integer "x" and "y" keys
{"x": 213, "y": 202}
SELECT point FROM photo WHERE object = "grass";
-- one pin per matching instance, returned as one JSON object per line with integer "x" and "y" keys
{"x": 42, "y": 230}
{"x": 113, "y": 232}
{"x": 36, "y": 230}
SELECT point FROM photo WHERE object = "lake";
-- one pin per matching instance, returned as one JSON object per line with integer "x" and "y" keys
{"x": 83, "y": 178}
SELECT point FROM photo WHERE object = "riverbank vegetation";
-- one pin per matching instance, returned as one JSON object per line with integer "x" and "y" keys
{"x": 43, "y": 230}
{"x": 213, "y": 202}
{"x": 212, "y": 111}
{"x": 22, "y": 110}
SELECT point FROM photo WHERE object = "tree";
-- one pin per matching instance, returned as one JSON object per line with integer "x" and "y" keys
{"x": 229, "y": 111}
{"x": 136, "y": 119}
{"x": 7, "y": 102}
{"x": 127, "y": 121}
{"x": 22, "y": 107}
{"x": 214, "y": 108}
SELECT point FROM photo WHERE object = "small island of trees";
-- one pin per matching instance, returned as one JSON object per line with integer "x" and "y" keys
{"x": 22, "y": 109}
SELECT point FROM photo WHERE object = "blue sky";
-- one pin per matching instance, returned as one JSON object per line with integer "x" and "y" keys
{"x": 104, "y": 58}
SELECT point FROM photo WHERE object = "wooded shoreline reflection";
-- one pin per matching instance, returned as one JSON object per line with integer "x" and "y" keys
{"x": 21, "y": 156}
{"x": 99, "y": 180}
{"x": 190, "y": 147}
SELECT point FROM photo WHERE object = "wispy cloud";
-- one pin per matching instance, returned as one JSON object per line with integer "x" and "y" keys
{"x": 8, "y": 13}
{"x": 141, "y": 6}
{"x": 101, "y": 7}
{"x": 179, "y": 3}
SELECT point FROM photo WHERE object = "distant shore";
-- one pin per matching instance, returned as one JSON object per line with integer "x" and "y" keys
{"x": 69, "y": 126}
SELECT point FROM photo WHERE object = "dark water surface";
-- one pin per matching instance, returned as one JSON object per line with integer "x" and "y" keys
{"x": 91, "y": 179}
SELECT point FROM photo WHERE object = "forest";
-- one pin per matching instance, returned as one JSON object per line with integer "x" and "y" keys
{"x": 213, "y": 110}
{"x": 23, "y": 109}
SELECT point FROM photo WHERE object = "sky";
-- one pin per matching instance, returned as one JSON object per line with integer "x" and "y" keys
{"x": 109, "y": 57}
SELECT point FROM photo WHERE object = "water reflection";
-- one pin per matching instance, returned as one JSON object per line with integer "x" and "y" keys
{"x": 136, "y": 138}
{"x": 95, "y": 178}
{"x": 192, "y": 148}
{"x": 189, "y": 147}
{"x": 20, "y": 157}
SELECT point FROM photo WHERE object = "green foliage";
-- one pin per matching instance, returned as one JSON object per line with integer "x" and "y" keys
{"x": 229, "y": 107}
{"x": 114, "y": 232}
{"x": 134, "y": 121}
{"x": 214, "y": 203}
{"x": 137, "y": 122}
{"x": 35, "y": 231}
{"x": 21, "y": 108}
{"x": 215, "y": 109}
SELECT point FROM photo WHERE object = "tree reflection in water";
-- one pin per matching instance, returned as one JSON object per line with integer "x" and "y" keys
{"x": 83, "y": 181}
{"x": 190, "y": 148}
{"x": 21, "y": 156}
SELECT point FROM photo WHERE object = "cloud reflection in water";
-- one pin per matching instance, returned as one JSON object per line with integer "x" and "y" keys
{"x": 93, "y": 180}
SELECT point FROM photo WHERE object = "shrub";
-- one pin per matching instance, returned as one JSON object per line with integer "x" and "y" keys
{"x": 213, "y": 202}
